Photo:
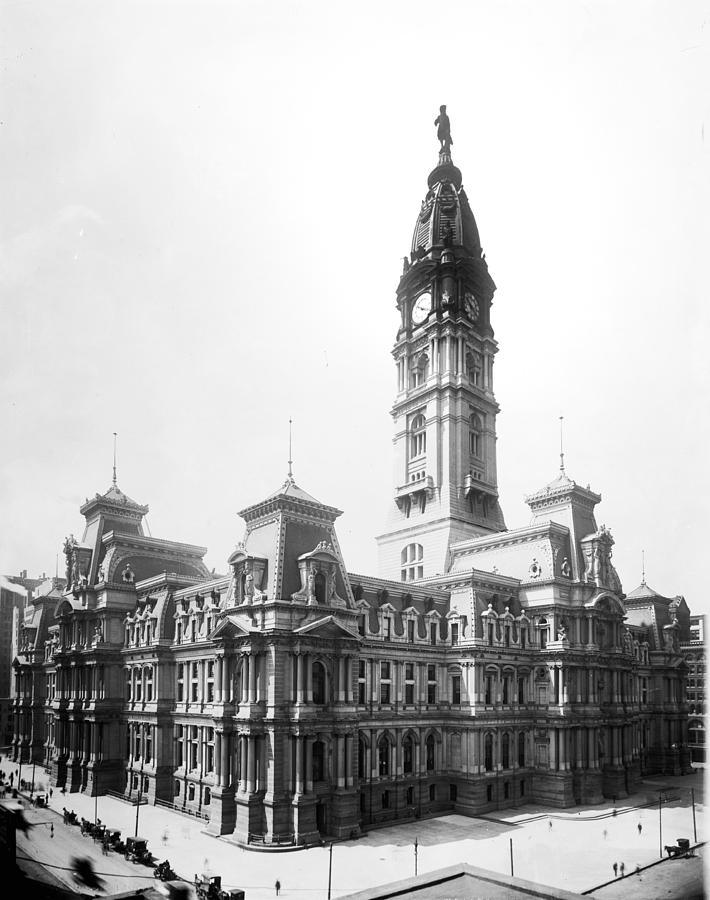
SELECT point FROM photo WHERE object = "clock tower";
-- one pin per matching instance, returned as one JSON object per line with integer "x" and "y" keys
{"x": 445, "y": 481}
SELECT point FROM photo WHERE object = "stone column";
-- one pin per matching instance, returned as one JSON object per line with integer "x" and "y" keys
{"x": 309, "y": 764}
{"x": 251, "y": 757}
{"x": 242, "y": 763}
{"x": 300, "y": 678}
{"x": 253, "y": 666}
{"x": 218, "y": 758}
{"x": 309, "y": 678}
{"x": 218, "y": 679}
{"x": 340, "y": 695}
{"x": 348, "y": 760}
{"x": 298, "y": 741}
{"x": 340, "y": 759}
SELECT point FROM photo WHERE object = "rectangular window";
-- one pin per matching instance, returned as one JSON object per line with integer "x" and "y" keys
{"x": 385, "y": 682}
{"x": 361, "y": 682}
{"x": 388, "y": 629}
{"x": 489, "y": 691}
{"x": 193, "y": 630}
{"x": 409, "y": 684}
{"x": 410, "y": 631}
{"x": 181, "y": 682}
{"x": 452, "y": 793}
{"x": 432, "y": 792}
{"x": 454, "y": 635}
{"x": 361, "y": 625}
{"x": 385, "y": 799}
{"x": 506, "y": 681}
{"x": 521, "y": 690}
{"x": 194, "y": 682}
{"x": 432, "y": 633}
{"x": 456, "y": 690}
{"x": 431, "y": 684}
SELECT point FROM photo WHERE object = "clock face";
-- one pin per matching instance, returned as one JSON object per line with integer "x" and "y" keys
{"x": 421, "y": 308}
{"x": 471, "y": 305}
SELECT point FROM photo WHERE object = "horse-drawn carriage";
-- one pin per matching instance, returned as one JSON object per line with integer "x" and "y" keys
{"x": 209, "y": 887}
{"x": 137, "y": 851}
{"x": 681, "y": 848}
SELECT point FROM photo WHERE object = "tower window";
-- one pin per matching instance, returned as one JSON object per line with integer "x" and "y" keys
{"x": 475, "y": 433}
{"x": 417, "y": 431}
{"x": 412, "y": 562}
{"x": 420, "y": 370}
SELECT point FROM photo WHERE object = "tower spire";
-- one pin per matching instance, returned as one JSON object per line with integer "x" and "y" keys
{"x": 643, "y": 567}
{"x": 562, "y": 451}
{"x": 290, "y": 460}
{"x": 115, "y": 435}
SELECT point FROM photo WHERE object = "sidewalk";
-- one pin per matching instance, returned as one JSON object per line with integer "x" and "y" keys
{"x": 573, "y": 849}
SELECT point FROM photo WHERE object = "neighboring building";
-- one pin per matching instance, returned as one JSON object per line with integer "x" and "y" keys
{"x": 693, "y": 650}
{"x": 12, "y": 603}
{"x": 290, "y": 700}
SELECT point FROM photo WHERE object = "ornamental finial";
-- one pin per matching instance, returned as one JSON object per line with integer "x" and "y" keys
{"x": 115, "y": 435}
{"x": 290, "y": 461}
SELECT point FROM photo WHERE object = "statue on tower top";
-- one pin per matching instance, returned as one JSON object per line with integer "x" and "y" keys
{"x": 443, "y": 129}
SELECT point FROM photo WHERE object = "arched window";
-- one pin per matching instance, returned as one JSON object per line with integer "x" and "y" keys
{"x": 318, "y": 676}
{"x": 544, "y": 633}
{"x": 417, "y": 431}
{"x": 475, "y": 432}
{"x": 473, "y": 368}
{"x": 412, "y": 562}
{"x": 383, "y": 756}
{"x": 318, "y": 768}
{"x": 430, "y": 753}
{"x": 148, "y": 682}
{"x": 408, "y": 755}
{"x": 505, "y": 751}
{"x": 488, "y": 752}
{"x": 319, "y": 587}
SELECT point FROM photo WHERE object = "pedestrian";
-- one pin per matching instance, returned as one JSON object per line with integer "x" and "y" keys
{"x": 50, "y": 793}
{"x": 615, "y": 867}
{"x": 638, "y": 870}
{"x": 277, "y": 887}
{"x": 165, "y": 837}
{"x": 640, "y": 827}
{"x": 621, "y": 869}
{"x": 12, "y": 778}
{"x": 605, "y": 833}
{"x": 550, "y": 824}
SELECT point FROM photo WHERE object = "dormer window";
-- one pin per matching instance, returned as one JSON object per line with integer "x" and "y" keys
{"x": 417, "y": 431}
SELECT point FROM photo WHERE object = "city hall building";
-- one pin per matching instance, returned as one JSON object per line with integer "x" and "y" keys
{"x": 290, "y": 700}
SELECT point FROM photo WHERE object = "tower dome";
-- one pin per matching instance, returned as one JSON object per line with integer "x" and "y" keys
{"x": 445, "y": 218}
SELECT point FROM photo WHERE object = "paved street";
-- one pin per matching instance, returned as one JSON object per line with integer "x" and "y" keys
{"x": 573, "y": 849}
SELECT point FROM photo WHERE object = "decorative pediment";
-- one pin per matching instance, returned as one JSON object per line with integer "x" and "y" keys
{"x": 229, "y": 627}
{"x": 328, "y": 627}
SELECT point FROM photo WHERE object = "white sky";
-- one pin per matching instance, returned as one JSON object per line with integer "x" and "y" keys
{"x": 204, "y": 211}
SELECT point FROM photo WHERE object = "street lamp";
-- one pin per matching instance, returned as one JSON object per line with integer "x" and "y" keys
{"x": 416, "y": 853}
{"x": 330, "y": 868}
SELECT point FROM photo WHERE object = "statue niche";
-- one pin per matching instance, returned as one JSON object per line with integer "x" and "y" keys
{"x": 319, "y": 576}
{"x": 249, "y": 576}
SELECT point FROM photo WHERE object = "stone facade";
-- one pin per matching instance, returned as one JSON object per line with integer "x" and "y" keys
{"x": 290, "y": 700}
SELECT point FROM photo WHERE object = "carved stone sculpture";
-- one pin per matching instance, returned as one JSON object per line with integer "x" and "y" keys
{"x": 443, "y": 131}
